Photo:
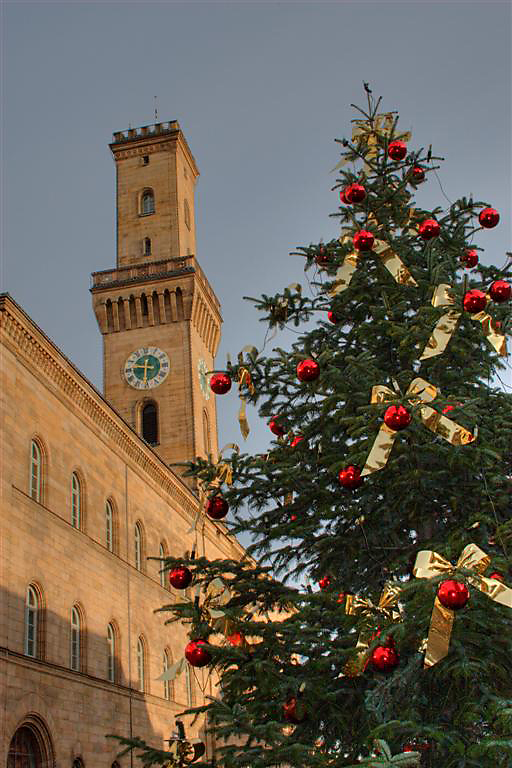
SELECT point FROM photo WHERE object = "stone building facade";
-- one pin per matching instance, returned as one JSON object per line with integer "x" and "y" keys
{"x": 87, "y": 493}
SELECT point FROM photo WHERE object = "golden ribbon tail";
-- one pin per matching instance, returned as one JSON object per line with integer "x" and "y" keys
{"x": 491, "y": 333}
{"x": 380, "y": 450}
{"x": 439, "y": 633}
{"x": 344, "y": 273}
{"x": 441, "y": 335}
{"x": 393, "y": 263}
{"x": 244, "y": 379}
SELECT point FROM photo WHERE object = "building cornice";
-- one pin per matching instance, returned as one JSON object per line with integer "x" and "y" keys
{"x": 29, "y": 343}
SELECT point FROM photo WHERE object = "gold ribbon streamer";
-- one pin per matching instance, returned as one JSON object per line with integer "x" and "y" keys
{"x": 430, "y": 564}
{"x": 354, "y": 605}
{"x": 447, "y": 323}
{"x": 388, "y": 257}
{"x": 419, "y": 391}
{"x": 245, "y": 380}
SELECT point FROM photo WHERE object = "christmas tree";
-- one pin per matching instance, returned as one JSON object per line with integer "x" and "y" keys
{"x": 375, "y": 602}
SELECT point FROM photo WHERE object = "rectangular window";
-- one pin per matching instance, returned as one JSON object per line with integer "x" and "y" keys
{"x": 30, "y": 641}
{"x": 145, "y": 159}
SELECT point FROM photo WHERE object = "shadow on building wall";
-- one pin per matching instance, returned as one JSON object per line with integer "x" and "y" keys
{"x": 64, "y": 715}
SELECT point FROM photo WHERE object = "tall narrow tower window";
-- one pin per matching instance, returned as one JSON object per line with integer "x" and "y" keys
{"x": 76, "y": 501}
{"x": 36, "y": 472}
{"x": 187, "y": 214}
{"x": 138, "y": 546}
{"x": 147, "y": 202}
{"x": 141, "y": 665}
{"x": 109, "y": 526}
{"x": 31, "y": 622}
{"x": 147, "y": 246}
{"x": 75, "y": 639}
{"x": 150, "y": 424}
{"x": 145, "y": 159}
{"x": 111, "y": 654}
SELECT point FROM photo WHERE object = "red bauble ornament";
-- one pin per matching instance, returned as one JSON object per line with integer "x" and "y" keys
{"x": 293, "y": 518}
{"x": 449, "y": 408}
{"x": 308, "y": 370}
{"x": 332, "y": 317}
{"x": 324, "y": 582}
{"x": 296, "y": 440}
{"x": 497, "y": 576}
{"x": 397, "y": 417}
{"x": 276, "y": 428}
{"x": 196, "y": 655}
{"x": 236, "y": 639}
{"x": 350, "y": 477}
{"x": 363, "y": 240}
{"x": 384, "y": 658}
{"x": 294, "y": 711}
{"x": 343, "y": 196}
{"x": 417, "y": 747}
{"x": 180, "y": 577}
{"x": 341, "y": 597}
{"x": 469, "y": 258}
{"x": 217, "y": 508}
{"x": 220, "y": 383}
{"x": 500, "y": 291}
{"x": 397, "y": 150}
{"x": 418, "y": 174}
{"x": 474, "y": 301}
{"x": 453, "y": 594}
{"x": 323, "y": 257}
{"x": 355, "y": 193}
{"x": 429, "y": 228}
{"x": 488, "y": 218}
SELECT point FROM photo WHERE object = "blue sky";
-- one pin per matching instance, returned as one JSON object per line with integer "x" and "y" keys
{"x": 261, "y": 89}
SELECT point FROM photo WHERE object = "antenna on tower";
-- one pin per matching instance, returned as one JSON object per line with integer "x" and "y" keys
{"x": 156, "y": 110}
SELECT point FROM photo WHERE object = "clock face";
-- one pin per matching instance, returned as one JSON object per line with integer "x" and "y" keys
{"x": 204, "y": 379}
{"x": 146, "y": 368}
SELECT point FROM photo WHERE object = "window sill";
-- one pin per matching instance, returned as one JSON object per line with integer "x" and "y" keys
{"x": 142, "y": 215}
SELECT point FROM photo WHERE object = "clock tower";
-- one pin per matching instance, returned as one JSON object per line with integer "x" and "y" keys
{"x": 159, "y": 316}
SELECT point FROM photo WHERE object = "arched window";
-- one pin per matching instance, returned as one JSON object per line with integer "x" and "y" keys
{"x": 76, "y": 501}
{"x": 36, "y": 471}
{"x": 150, "y": 423}
{"x": 111, "y": 654}
{"x": 163, "y": 553}
{"x": 32, "y": 624}
{"x": 78, "y": 763}
{"x": 206, "y": 433}
{"x": 75, "y": 649}
{"x": 190, "y": 686}
{"x": 147, "y": 202}
{"x": 138, "y": 539}
{"x": 167, "y": 683}
{"x": 187, "y": 213}
{"x": 109, "y": 526}
{"x": 147, "y": 246}
{"x": 25, "y": 750}
{"x": 141, "y": 665}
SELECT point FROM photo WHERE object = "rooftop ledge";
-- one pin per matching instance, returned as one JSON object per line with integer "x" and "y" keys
{"x": 157, "y": 129}
{"x": 151, "y": 270}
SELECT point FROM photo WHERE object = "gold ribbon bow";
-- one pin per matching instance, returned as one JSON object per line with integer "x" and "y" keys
{"x": 223, "y": 470}
{"x": 388, "y": 257}
{"x": 428, "y": 565}
{"x": 447, "y": 323}
{"x": 245, "y": 380}
{"x": 354, "y": 605}
{"x": 368, "y": 132}
{"x": 420, "y": 391}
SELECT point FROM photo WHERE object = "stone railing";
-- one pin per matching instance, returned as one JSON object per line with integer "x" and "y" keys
{"x": 157, "y": 129}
